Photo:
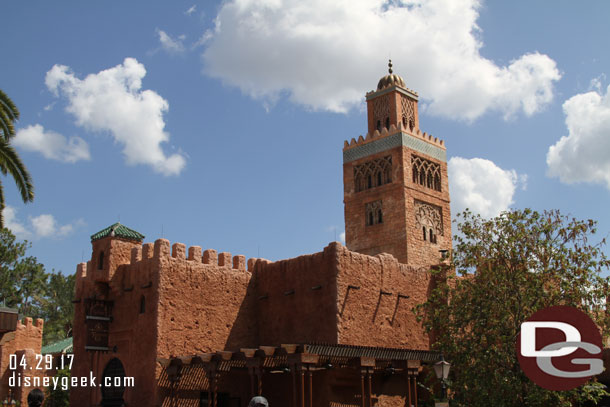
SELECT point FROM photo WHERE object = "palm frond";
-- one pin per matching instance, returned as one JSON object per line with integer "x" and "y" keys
{"x": 8, "y": 115}
{"x": 10, "y": 163}
{"x": 1, "y": 206}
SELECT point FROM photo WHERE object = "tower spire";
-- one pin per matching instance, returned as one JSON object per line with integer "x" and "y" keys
{"x": 390, "y": 66}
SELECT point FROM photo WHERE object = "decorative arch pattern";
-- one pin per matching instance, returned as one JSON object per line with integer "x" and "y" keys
{"x": 408, "y": 112}
{"x": 429, "y": 219}
{"x": 426, "y": 173}
{"x": 373, "y": 173}
{"x": 381, "y": 111}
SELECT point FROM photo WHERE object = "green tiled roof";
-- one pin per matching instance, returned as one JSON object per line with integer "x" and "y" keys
{"x": 118, "y": 230}
{"x": 63, "y": 346}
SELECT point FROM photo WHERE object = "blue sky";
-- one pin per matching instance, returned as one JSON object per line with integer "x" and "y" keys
{"x": 221, "y": 124}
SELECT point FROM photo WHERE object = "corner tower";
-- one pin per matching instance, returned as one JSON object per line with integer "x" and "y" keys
{"x": 396, "y": 191}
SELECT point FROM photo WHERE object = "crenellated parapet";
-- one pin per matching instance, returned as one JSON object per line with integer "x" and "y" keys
{"x": 376, "y": 135}
{"x": 160, "y": 251}
{"x": 395, "y": 136}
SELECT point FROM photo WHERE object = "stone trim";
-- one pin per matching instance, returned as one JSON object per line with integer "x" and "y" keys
{"x": 395, "y": 140}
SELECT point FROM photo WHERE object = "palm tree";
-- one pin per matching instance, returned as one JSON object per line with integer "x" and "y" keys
{"x": 8, "y": 114}
{"x": 10, "y": 163}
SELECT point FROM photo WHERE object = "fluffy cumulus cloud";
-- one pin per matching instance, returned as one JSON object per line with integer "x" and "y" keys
{"x": 41, "y": 226}
{"x": 323, "y": 54}
{"x": 113, "y": 101}
{"x": 52, "y": 145}
{"x": 11, "y": 222}
{"x": 481, "y": 186}
{"x": 582, "y": 155}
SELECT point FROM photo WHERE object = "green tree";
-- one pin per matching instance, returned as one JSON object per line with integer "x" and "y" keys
{"x": 509, "y": 267}
{"x": 56, "y": 307}
{"x": 10, "y": 163}
{"x": 26, "y": 286}
{"x": 22, "y": 279}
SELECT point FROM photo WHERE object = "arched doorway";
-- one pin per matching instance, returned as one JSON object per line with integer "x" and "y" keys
{"x": 114, "y": 375}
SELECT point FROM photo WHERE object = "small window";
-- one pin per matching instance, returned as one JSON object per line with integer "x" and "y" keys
{"x": 379, "y": 179}
{"x": 404, "y": 122}
{"x": 424, "y": 230}
{"x": 387, "y": 123}
{"x": 100, "y": 261}
{"x": 142, "y": 304}
{"x": 379, "y": 125}
{"x": 373, "y": 213}
{"x": 370, "y": 181}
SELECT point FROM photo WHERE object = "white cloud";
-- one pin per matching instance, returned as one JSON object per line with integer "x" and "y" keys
{"x": 169, "y": 44}
{"x": 44, "y": 225}
{"x": 191, "y": 10}
{"x": 323, "y": 54}
{"x": 205, "y": 37}
{"x": 52, "y": 145}
{"x": 11, "y": 222}
{"x": 481, "y": 186}
{"x": 112, "y": 100}
{"x": 582, "y": 155}
{"x": 41, "y": 226}
{"x": 342, "y": 237}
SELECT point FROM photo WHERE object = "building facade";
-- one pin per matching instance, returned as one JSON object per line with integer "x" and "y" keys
{"x": 196, "y": 327}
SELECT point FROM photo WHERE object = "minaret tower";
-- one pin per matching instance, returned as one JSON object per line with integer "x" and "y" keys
{"x": 396, "y": 192}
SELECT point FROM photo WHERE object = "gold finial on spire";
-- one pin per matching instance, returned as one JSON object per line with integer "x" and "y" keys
{"x": 390, "y": 66}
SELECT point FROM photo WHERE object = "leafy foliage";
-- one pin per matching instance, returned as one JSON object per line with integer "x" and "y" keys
{"x": 58, "y": 397}
{"x": 56, "y": 307}
{"x": 510, "y": 267}
{"x": 10, "y": 163}
{"x": 26, "y": 286}
{"x": 8, "y": 115}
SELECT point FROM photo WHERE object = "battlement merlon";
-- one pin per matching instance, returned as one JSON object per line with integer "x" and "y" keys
{"x": 394, "y": 137}
{"x": 162, "y": 248}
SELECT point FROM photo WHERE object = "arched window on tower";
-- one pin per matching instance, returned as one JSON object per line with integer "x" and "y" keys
{"x": 404, "y": 122}
{"x": 387, "y": 123}
{"x": 379, "y": 125}
{"x": 100, "y": 261}
{"x": 426, "y": 173}
{"x": 388, "y": 173}
{"x": 373, "y": 213}
{"x": 424, "y": 231}
{"x": 359, "y": 182}
{"x": 142, "y": 304}
{"x": 373, "y": 173}
{"x": 432, "y": 236}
